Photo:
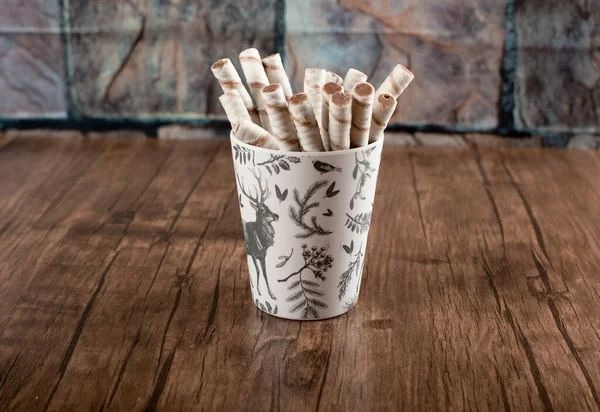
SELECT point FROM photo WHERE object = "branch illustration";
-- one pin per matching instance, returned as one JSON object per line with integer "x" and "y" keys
{"x": 346, "y": 277}
{"x": 359, "y": 223}
{"x": 298, "y": 215}
{"x": 362, "y": 167}
{"x": 243, "y": 155}
{"x": 317, "y": 261}
{"x": 277, "y": 163}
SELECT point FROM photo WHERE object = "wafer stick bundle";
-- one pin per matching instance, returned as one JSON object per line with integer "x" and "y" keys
{"x": 362, "y": 110}
{"x": 340, "y": 117}
{"x": 257, "y": 79}
{"x": 333, "y": 113}
{"x": 328, "y": 90}
{"x": 332, "y": 77}
{"x": 281, "y": 122}
{"x": 352, "y": 78}
{"x": 314, "y": 79}
{"x": 306, "y": 124}
{"x": 230, "y": 80}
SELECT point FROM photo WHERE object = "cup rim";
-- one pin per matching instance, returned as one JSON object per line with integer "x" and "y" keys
{"x": 303, "y": 154}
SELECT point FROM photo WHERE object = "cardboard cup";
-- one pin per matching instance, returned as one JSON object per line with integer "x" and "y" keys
{"x": 306, "y": 218}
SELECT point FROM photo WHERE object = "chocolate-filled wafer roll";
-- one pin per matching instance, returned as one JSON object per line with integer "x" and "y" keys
{"x": 230, "y": 80}
{"x": 362, "y": 110}
{"x": 306, "y": 123}
{"x": 281, "y": 121}
{"x": 254, "y": 135}
{"x": 383, "y": 108}
{"x": 276, "y": 73}
{"x": 314, "y": 79}
{"x": 396, "y": 82}
{"x": 328, "y": 90}
{"x": 257, "y": 79}
{"x": 352, "y": 77}
{"x": 332, "y": 77}
{"x": 234, "y": 108}
{"x": 340, "y": 118}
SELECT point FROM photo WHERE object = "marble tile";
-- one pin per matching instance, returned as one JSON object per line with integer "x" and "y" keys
{"x": 31, "y": 59}
{"x": 558, "y": 75}
{"x": 453, "y": 47}
{"x": 152, "y": 59}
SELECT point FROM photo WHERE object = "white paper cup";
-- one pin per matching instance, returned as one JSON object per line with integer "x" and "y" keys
{"x": 306, "y": 218}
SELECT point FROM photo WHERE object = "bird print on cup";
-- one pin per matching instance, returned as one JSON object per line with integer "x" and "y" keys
{"x": 323, "y": 167}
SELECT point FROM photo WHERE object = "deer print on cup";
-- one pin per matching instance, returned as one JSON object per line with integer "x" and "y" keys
{"x": 259, "y": 234}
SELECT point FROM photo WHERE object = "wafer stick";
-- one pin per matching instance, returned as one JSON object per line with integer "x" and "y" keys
{"x": 281, "y": 122}
{"x": 340, "y": 118}
{"x": 276, "y": 73}
{"x": 230, "y": 80}
{"x": 328, "y": 90}
{"x": 383, "y": 108}
{"x": 352, "y": 77}
{"x": 396, "y": 82}
{"x": 254, "y": 135}
{"x": 314, "y": 79}
{"x": 234, "y": 108}
{"x": 306, "y": 123}
{"x": 256, "y": 79}
{"x": 362, "y": 110}
{"x": 332, "y": 77}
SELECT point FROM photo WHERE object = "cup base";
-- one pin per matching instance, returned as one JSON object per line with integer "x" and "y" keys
{"x": 283, "y": 316}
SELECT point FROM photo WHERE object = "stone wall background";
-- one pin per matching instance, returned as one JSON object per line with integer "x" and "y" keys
{"x": 515, "y": 68}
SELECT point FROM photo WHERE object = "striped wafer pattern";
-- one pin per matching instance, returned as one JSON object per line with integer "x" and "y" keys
{"x": 340, "y": 119}
{"x": 396, "y": 82}
{"x": 276, "y": 73}
{"x": 383, "y": 108}
{"x": 306, "y": 123}
{"x": 362, "y": 110}
{"x": 257, "y": 79}
{"x": 281, "y": 122}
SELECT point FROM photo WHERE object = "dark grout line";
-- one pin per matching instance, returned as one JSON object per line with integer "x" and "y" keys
{"x": 280, "y": 29}
{"x": 150, "y": 127}
{"x": 436, "y": 128}
{"x": 72, "y": 111}
{"x": 506, "y": 108}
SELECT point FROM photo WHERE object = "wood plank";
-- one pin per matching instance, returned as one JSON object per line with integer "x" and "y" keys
{"x": 480, "y": 288}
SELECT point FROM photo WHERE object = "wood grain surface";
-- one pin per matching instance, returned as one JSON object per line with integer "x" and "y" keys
{"x": 124, "y": 285}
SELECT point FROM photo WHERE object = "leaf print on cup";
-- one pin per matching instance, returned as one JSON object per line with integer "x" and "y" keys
{"x": 331, "y": 192}
{"x": 328, "y": 213}
{"x": 346, "y": 277}
{"x": 361, "y": 172}
{"x": 284, "y": 259}
{"x": 277, "y": 163}
{"x": 243, "y": 155}
{"x": 359, "y": 223}
{"x": 281, "y": 195}
{"x": 298, "y": 213}
{"x": 304, "y": 292}
{"x": 266, "y": 307}
{"x": 350, "y": 248}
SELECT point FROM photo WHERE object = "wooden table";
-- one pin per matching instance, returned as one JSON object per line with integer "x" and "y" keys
{"x": 124, "y": 285}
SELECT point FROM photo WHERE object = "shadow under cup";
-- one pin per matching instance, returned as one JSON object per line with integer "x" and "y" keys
{"x": 306, "y": 218}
